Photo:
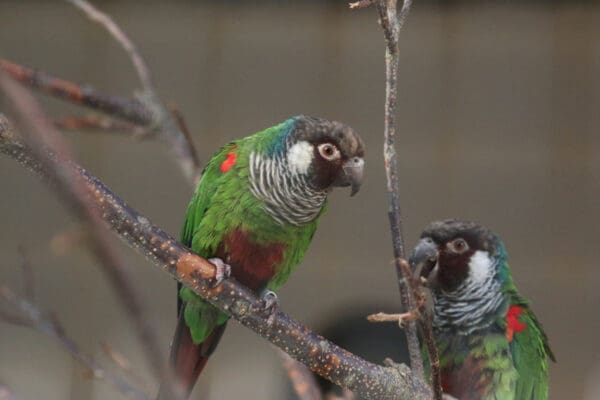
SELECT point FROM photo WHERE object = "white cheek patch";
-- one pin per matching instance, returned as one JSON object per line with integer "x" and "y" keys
{"x": 300, "y": 155}
{"x": 480, "y": 266}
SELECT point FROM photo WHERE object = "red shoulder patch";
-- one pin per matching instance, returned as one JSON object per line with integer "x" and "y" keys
{"x": 229, "y": 161}
{"x": 512, "y": 322}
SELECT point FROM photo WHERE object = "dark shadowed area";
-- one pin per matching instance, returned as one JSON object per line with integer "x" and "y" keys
{"x": 498, "y": 123}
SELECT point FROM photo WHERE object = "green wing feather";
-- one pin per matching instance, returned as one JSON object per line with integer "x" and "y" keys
{"x": 530, "y": 352}
{"x": 199, "y": 315}
{"x": 201, "y": 199}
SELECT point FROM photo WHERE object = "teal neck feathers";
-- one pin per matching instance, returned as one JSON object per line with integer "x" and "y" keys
{"x": 278, "y": 173}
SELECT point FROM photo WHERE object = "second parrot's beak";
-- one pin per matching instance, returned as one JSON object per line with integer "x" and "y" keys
{"x": 352, "y": 174}
{"x": 424, "y": 261}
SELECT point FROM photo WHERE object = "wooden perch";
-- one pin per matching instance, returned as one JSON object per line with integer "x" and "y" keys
{"x": 323, "y": 357}
{"x": 147, "y": 111}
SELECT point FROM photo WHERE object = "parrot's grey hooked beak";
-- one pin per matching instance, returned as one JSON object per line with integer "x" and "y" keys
{"x": 352, "y": 174}
{"x": 423, "y": 261}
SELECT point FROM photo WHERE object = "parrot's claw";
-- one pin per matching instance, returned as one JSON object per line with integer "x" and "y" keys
{"x": 270, "y": 305}
{"x": 223, "y": 270}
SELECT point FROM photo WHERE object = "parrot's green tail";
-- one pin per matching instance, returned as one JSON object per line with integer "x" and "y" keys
{"x": 187, "y": 358}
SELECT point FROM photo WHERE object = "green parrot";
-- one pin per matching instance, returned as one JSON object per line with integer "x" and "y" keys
{"x": 254, "y": 213}
{"x": 490, "y": 343}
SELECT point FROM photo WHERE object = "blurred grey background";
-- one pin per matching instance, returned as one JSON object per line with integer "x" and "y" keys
{"x": 498, "y": 122}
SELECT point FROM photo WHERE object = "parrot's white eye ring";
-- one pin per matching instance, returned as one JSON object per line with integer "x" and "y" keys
{"x": 329, "y": 151}
{"x": 458, "y": 245}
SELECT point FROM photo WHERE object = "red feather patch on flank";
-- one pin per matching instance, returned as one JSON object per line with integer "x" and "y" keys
{"x": 512, "y": 322}
{"x": 229, "y": 161}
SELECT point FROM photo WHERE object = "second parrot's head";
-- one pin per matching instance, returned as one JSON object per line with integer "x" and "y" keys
{"x": 454, "y": 256}
{"x": 329, "y": 153}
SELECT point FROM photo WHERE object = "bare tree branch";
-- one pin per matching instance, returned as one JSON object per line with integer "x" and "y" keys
{"x": 124, "y": 365}
{"x": 5, "y": 393}
{"x": 180, "y": 143}
{"x": 367, "y": 380}
{"x": 303, "y": 381}
{"x": 346, "y": 395}
{"x": 391, "y": 24}
{"x": 361, "y": 4}
{"x": 107, "y": 22}
{"x": 146, "y": 111}
{"x": 28, "y": 285}
{"x": 343, "y": 368}
{"x": 46, "y": 324}
{"x": 131, "y": 110}
{"x": 95, "y": 123}
{"x": 399, "y": 318}
{"x": 40, "y": 134}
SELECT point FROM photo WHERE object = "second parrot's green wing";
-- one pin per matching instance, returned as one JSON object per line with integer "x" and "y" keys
{"x": 530, "y": 351}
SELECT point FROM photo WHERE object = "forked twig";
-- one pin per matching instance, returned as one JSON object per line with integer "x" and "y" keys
{"x": 168, "y": 128}
{"x": 107, "y": 22}
{"x": 43, "y": 322}
{"x": 41, "y": 136}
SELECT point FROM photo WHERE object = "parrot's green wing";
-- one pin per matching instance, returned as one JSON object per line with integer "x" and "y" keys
{"x": 530, "y": 353}
{"x": 200, "y": 316}
{"x": 211, "y": 175}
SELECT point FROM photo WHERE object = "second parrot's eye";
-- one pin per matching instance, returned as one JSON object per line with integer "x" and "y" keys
{"x": 458, "y": 245}
{"x": 328, "y": 151}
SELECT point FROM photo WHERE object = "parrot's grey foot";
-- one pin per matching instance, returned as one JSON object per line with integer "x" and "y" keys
{"x": 270, "y": 305}
{"x": 223, "y": 270}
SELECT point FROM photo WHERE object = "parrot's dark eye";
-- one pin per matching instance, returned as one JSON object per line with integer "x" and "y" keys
{"x": 458, "y": 245}
{"x": 328, "y": 151}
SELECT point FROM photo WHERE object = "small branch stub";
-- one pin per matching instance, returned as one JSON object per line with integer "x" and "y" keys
{"x": 361, "y": 4}
{"x": 401, "y": 318}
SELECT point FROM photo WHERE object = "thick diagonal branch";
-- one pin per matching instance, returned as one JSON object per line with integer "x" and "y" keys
{"x": 325, "y": 358}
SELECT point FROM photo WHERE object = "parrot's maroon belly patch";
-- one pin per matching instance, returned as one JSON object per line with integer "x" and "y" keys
{"x": 466, "y": 381}
{"x": 252, "y": 264}
{"x": 512, "y": 322}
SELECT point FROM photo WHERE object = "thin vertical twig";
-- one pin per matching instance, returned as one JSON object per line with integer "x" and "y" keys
{"x": 411, "y": 296}
{"x": 391, "y": 23}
